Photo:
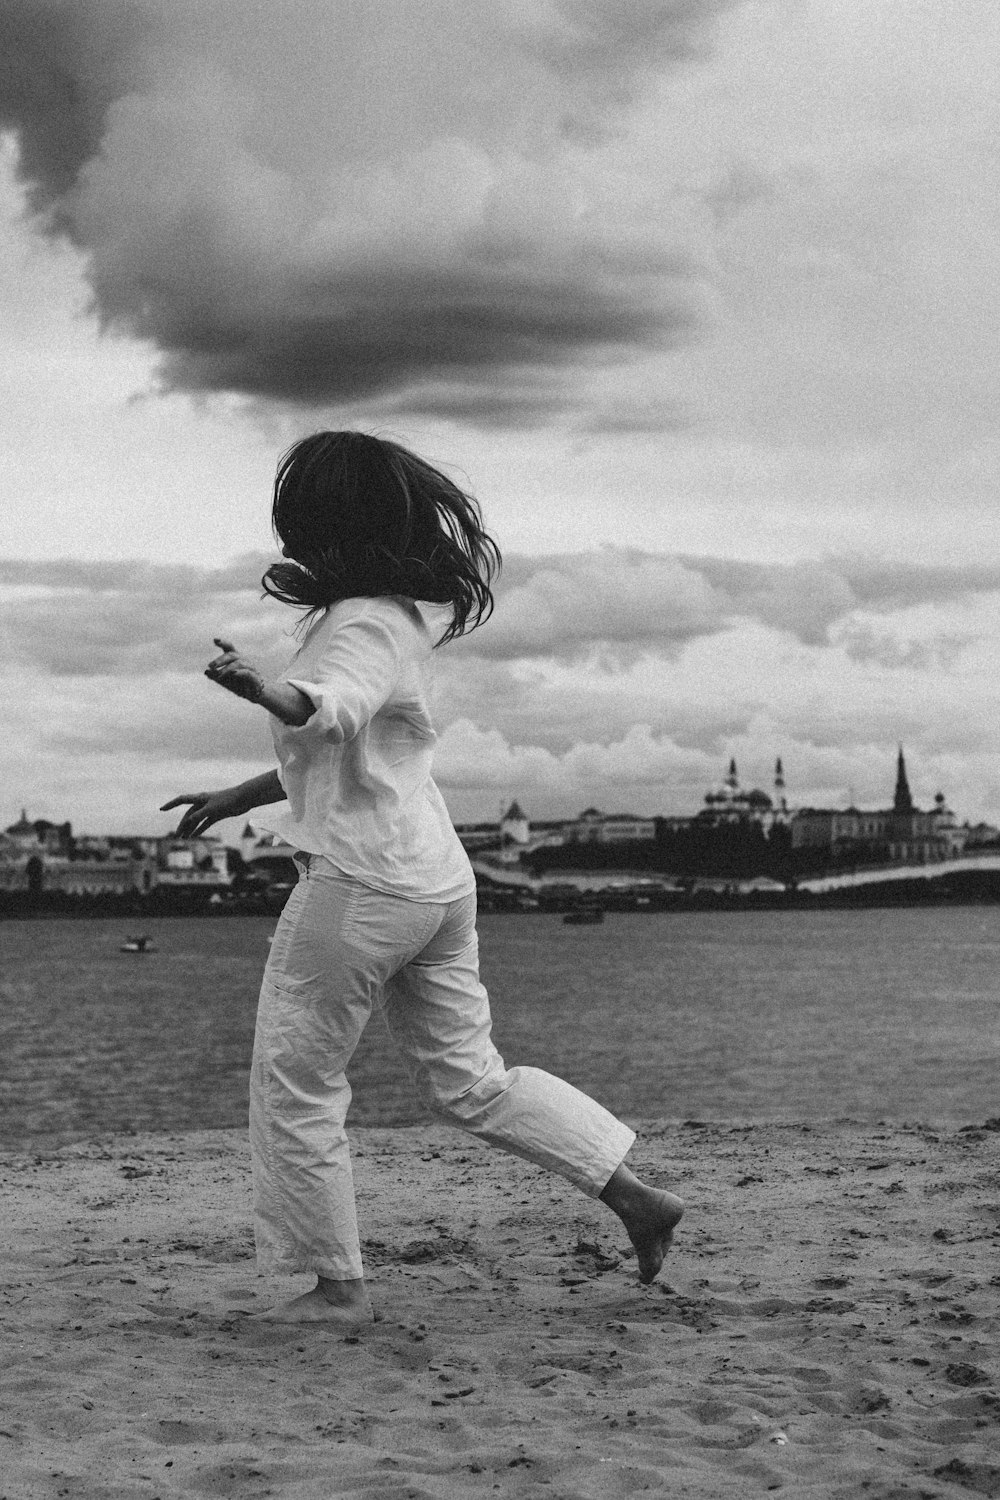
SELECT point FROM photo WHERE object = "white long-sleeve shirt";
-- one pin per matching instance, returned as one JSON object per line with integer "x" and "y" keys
{"x": 357, "y": 773}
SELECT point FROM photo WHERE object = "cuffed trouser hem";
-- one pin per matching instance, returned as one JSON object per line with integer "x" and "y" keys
{"x": 282, "y": 1265}
{"x": 544, "y": 1120}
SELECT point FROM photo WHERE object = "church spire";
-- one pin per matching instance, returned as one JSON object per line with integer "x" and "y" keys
{"x": 902, "y": 802}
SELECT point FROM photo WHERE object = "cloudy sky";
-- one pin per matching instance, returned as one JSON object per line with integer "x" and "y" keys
{"x": 698, "y": 296}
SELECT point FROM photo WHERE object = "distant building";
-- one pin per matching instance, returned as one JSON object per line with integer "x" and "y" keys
{"x": 191, "y": 864}
{"x": 514, "y": 825}
{"x": 257, "y": 846}
{"x": 249, "y": 840}
{"x": 900, "y": 834}
{"x": 99, "y": 877}
{"x": 40, "y": 836}
{"x": 594, "y": 827}
{"x": 13, "y": 864}
{"x": 516, "y": 834}
{"x": 267, "y": 860}
{"x": 728, "y": 803}
{"x": 980, "y": 836}
{"x": 947, "y": 829}
{"x": 476, "y": 837}
{"x": 42, "y": 856}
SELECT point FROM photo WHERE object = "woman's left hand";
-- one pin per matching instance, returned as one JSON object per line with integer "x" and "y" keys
{"x": 233, "y": 672}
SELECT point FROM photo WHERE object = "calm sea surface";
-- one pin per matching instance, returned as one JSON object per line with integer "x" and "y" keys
{"x": 751, "y": 1016}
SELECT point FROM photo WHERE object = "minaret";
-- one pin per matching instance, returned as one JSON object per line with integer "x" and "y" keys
{"x": 902, "y": 802}
{"x": 779, "y": 786}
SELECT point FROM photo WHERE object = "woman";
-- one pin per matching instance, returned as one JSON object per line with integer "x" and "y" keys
{"x": 386, "y": 554}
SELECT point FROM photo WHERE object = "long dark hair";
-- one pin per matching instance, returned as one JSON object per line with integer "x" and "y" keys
{"x": 362, "y": 517}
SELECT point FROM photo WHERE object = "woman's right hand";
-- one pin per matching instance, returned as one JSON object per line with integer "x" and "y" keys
{"x": 205, "y": 809}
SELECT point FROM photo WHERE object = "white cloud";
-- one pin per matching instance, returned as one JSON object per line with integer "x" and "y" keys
{"x": 472, "y": 759}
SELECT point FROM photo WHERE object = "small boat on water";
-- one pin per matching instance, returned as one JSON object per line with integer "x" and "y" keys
{"x": 584, "y": 916}
{"x": 141, "y": 944}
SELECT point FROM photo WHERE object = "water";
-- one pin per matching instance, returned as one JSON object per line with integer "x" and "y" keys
{"x": 751, "y": 1016}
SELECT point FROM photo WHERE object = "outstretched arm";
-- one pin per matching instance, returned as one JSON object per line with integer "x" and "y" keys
{"x": 354, "y": 675}
{"x": 207, "y": 808}
{"x": 237, "y": 675}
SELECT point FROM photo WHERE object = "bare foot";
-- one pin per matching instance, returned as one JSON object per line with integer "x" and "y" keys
{"x": 344, "y": 1305}
{"x": 649, "y": 1215}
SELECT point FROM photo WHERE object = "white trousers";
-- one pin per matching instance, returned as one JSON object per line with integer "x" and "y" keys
{"x": 341, "y": 948}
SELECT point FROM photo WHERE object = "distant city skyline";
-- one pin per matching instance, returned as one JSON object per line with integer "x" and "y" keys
{"x": 700, "y": 299}
{"x": 729, "y": 788}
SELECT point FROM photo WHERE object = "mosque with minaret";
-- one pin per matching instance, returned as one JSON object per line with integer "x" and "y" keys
{"x": 729, "y": 803}
{"x": 902, "y": 834}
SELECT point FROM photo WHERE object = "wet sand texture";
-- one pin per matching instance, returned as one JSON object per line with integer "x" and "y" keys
{"x": 826, "y": 1325}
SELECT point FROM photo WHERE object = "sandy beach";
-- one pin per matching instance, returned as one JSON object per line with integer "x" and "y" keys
{"x": 826, "y": 1325}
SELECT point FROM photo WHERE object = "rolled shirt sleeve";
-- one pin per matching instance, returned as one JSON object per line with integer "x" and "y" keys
{"x": 355, "y": 675}
{"x": 357, "y": 773}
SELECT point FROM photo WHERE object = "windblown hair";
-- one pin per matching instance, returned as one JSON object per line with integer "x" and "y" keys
{"x": 362, "y": 517}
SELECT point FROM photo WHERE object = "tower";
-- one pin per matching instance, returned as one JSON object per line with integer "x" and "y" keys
{"x": 249, "y": 839}
{"x": 902, "y": 802}
{"x": 514, "y": 825}
{"x": 779, "y": 786}
{"x": 515, "y": 834}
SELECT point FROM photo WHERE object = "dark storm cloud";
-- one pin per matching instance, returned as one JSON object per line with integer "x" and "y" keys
{"x": 342, "y": 339}
{"x": 291, "y": 207}
{"x": 62, "y": 65}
